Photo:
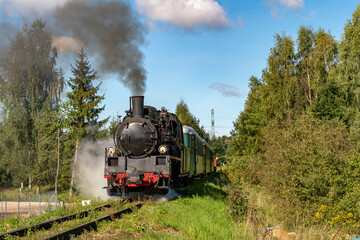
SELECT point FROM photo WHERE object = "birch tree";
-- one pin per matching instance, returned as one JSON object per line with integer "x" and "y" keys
{"x": 30, "y": 87}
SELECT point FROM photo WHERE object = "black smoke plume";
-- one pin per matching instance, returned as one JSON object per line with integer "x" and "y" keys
{"x": 111, "y": 31}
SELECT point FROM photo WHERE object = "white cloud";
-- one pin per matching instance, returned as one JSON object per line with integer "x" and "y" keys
{"x": 27, "y": 6}
{"x": 240, "y": 21}
{"x": 186, "y": 14}
{"x": 226, "y": 90}
{"x": 291, "y": 3}
{"x": 279, "y": 7}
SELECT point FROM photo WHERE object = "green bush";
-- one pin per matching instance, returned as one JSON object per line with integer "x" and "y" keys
{"x": 236, "y": 195}
{"x": 305, "y": 163}
{"x": 309, "y": 162}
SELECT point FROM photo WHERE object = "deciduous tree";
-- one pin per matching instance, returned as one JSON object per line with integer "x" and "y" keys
{"x": 30, "y": 88}
{"x": 185, "y": 116}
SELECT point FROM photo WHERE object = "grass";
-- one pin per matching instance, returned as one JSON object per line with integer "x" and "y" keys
{"x": 200, "y": 213}
{"x": 264, "y": 211}
{"x": 14, "y": 223}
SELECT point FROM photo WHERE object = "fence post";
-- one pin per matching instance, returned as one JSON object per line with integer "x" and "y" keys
{"x": 1, "y": 205}
{"x": 18, "y": 207}
{"x": 48, "y": 202}
{"x": 55, "y": 199}
{"x": 39, "y": 204}
{"x": 5, "y": 207}
{"x": 29, "y": 205}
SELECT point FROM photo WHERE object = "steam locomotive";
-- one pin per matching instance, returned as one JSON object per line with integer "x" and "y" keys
{"x": 153, "y": 151}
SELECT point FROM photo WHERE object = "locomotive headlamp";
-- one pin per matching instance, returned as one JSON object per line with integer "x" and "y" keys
{"x": 163, "y": 149}
{"x": 111, "y": 151}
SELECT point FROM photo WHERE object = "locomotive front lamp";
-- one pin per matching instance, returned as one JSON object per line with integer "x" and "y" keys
{"x": 162, "y": 149}
{"x": 111, "y": 151}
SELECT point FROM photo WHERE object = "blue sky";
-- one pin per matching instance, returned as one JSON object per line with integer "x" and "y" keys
{"x": 185, "y": 64}
{"x": 208, "y": 43}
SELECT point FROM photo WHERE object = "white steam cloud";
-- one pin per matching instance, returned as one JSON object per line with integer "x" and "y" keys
{"x": 189, "y": 15}
{"x": 89, "y": 169}
{"x": 226, "y": 90}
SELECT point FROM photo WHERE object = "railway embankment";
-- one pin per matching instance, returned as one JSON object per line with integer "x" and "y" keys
{"x": 202, "y": 211}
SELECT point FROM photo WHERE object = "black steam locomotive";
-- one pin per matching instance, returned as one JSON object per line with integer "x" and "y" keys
{"x": 153, "y": 151}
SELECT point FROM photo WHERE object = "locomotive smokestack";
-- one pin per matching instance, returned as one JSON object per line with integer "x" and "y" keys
{"x": 138, "y": 106}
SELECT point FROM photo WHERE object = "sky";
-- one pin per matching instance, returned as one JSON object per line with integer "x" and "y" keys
{"x": 202, "y": 51}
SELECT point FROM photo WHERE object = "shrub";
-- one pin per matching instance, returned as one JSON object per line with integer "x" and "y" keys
{"x": 304, "y": 163}
{"x": 308, "y": 163}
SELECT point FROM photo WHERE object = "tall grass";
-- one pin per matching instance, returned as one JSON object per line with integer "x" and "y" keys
{"x": 264, "y": 212}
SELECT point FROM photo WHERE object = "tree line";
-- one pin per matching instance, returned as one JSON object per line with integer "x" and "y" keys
{"x": 298, "y": 135}
{"x": 40, "y": 132}
{"x": 41, "y": 129}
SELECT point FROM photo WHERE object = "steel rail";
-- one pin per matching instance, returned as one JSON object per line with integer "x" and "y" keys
{"x": 48, "y": 224}
{"x": 90, "y": 225}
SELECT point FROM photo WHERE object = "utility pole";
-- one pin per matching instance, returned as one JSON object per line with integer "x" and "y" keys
{"x": 212, "y": 124}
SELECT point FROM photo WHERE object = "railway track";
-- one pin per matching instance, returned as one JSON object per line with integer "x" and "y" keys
{"x": 67, "y": 234}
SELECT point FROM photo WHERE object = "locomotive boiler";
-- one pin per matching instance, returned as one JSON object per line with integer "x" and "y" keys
{"x": 152, "y": 152}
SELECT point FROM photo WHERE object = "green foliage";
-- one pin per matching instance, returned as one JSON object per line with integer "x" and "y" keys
{"x": 317, "y": 53}
{"x": 81, "y": 108}
{"x": 237, "y": 197}
{"x": 44, "y": 168}
{"x": 247, "y": 126}
{"x": 30, "y": 90}
{"x": 82, "y": 111}
{"x": 298, "y": 136}
{"x": 183, "y": 113}
{"x": 304, "y": 161}
{"x": 330, "y": 103}
{"x": 219, "y": 145}
{"x": 5, "y": 178}
{"x": 347, "y": 72}
{"x": 281, "y": 93}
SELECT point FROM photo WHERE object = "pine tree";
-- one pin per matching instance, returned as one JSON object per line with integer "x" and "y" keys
{"x": 246, "y": 132}
{"x": 83, "y": 104}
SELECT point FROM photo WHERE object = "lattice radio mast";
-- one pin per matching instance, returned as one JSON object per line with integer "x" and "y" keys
{"x": 212, "y": 124}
